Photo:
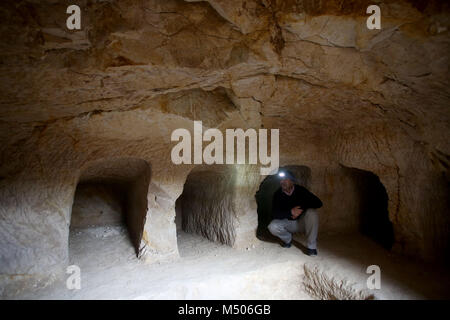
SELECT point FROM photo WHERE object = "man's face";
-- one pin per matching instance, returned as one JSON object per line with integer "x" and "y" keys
{"x": 286, "y": 184}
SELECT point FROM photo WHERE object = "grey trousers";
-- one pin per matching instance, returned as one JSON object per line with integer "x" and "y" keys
{"x": 308, "y": 224}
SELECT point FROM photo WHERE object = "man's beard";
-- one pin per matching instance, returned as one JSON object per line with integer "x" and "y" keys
{"x": 287, "y": 188}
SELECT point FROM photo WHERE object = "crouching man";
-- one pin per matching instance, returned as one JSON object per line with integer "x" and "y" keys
{"x": 293, "y": 210}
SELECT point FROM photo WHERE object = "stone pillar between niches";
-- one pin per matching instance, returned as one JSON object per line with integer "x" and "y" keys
{"x": 245, "y": 207}
{"x": 159, "y": 237}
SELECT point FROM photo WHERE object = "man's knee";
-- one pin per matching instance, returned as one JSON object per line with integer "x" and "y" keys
{"x": 312, "y": 215}
{"x": 274, "y": 226}
{"x": 311, "y": 220}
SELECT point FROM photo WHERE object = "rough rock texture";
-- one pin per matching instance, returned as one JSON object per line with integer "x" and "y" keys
{"x": 341, "y": 94}
{"x": 210, "y": 270}
{"x": 207, "y": 204}
{"x": 321, "y": 285}
{"x": 97, "y": 205}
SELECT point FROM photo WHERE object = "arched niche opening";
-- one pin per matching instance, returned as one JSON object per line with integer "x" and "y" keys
{"x": 110, "y": 205}
{"x": 371, "y": 202}
{"x": 266, "y": 191}
{"x": 205, "y": 206}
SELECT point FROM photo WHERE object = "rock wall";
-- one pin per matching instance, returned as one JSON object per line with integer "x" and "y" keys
{"x": 207, "y": 204}
{"x": 341, "y": 94}
{"x": 218, "y": 203}
{"x": 97, "y": 205}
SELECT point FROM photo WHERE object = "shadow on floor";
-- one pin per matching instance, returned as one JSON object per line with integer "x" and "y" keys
{"x": 266, "y": 236}
{"x": 425, "y": 280}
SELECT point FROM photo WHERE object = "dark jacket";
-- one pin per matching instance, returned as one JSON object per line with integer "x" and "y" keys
{"x": 282, "y": 203}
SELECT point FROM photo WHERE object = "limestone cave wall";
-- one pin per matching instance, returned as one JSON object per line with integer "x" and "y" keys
{"x": 207, "y": 204}
{"x": 340, "y": 94}
{"x": 97, "y": 204}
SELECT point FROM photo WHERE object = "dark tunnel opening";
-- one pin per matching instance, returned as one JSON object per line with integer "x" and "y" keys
{"x": 373, "y": 215}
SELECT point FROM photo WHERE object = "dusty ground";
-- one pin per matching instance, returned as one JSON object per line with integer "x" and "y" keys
{"x": 206, "y": 270}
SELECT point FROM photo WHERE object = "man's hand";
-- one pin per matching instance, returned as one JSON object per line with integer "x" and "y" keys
{"x": 296, "y": 211}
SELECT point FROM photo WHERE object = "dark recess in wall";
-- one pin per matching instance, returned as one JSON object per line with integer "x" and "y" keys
{"x": 373, "y": 207}
{"x": 114, "y": 191}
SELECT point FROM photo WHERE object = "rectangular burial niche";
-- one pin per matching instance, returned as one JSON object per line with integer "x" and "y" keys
{"x": 108, "y": 212}
{"x": 98, "y": 223}
{"x": 265, "y": 194}
{"x": 205, "y": 206}
{"x": 372, "y": 206}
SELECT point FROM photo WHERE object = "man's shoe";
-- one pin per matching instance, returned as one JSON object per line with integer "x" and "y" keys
{"x": 311, "y": 252}
{"x": 286, "y": 245}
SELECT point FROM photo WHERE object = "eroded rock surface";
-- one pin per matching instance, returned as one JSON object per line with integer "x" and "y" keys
{"x": 341, "y": 95}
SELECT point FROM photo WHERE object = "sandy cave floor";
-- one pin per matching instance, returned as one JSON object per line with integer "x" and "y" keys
{"x": 207, "y": 270}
